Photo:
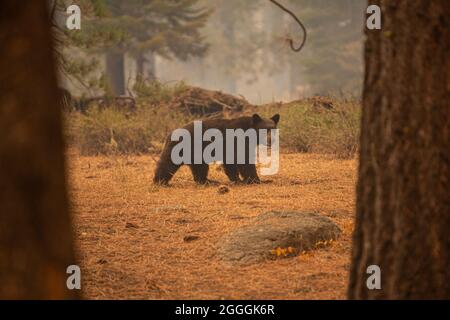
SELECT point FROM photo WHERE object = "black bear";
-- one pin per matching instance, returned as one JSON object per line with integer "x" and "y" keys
{"x": 233, "y": 168}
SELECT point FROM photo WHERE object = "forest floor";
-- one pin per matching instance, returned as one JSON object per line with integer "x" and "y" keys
{"x": 130, "y": 234}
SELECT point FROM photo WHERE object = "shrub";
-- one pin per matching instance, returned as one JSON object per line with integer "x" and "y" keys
{"x": 157, "y": 93}
{"x": 308, "y": 128}
{"x": 304, "y": 126}
{"x": 112, "y": 131}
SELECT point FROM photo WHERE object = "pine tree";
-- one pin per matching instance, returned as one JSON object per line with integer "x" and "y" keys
{"x": 142, "y": 28}
{"x": 234, "y": 34}
{"x": 332, "y": 59}
{"x": 402, "y": 208}
{"x": 170, "y": 29}
{"x": 36, "y": 244}
{"x": 78, "y": 50}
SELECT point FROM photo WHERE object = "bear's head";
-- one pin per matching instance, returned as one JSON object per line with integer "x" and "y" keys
{"x": 263, "y": 123}
{"x": 260, "y": 123}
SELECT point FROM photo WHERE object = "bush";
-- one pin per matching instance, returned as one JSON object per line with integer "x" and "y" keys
{"x": 157, "y": 93}
{"x": 119, "y": 131}
{"x": 304, "y": 127}
{"x": 308, "y": 128}
{"x": 112, "y": 131}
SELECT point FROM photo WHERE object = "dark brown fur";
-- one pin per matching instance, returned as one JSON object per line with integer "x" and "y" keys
{"x": 166, "y": 168}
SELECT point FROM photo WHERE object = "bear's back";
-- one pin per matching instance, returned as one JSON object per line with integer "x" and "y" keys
{"x": 223, "y": 124}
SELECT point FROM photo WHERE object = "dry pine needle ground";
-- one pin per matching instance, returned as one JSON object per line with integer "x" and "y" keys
{"x": 138, "y": 241}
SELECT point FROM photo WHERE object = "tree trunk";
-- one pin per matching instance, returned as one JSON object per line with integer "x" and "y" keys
{"x": 151, "y": 65}
{"x": 402, "y": 211}
{"x": 228, "y": 25}
{"x": 146, "y": 65}
{"x": 35, "y": 229}
{"x": 295, "y": 61}
{"x": 140, "y": 65}
{"x": 115, "y": 71}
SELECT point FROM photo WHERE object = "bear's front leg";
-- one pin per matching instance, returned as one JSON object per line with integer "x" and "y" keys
{"x": 200, "y": 173}
{"x": 248, "y": 173}
{"x": 232, "y": 172}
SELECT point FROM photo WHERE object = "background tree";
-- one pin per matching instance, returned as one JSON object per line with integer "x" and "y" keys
{"x": 35, "y": 229}
{"x": 170, "y": 29}
{"x": 236, "y": 38}
{"x": 248, "y": 42}
{"x": 403, "y": 208}
{"x": 140, "y": 28}
{"x": 79, "y": 52}
{"x": 331, "y": 60}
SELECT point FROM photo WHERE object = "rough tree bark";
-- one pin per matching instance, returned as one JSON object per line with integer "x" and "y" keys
{"x": 403, "y": 212}
{"x": 35, "y": 228}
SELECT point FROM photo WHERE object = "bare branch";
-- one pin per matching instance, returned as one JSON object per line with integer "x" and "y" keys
{"x": 291, "y": 42}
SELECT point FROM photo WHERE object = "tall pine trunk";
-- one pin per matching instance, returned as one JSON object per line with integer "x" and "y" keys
{"x": 146, "y": 65}
{"x": 115, "y": 71}
{"x": 36, "y": 243}
{"x": 228, "y": 25}
{"x": 403, "y": 209}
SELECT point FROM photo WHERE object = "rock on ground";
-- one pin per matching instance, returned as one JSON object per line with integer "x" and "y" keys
{"x": 276, "y": 234}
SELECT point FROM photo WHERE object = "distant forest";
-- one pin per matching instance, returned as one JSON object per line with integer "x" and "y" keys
{"x": 239, "y": 47}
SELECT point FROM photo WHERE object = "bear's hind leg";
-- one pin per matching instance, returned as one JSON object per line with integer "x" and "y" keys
{"x": 248, "y": 173}
{"x": 231, "y": 170}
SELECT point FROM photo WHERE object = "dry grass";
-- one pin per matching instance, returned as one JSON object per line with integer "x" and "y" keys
{"x": 304, "y": 127}
{"x": 130, "y": 233}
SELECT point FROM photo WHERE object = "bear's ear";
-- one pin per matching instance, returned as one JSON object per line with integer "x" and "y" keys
{"x": 256, "y": 118}
{"x": 276, "y": 118}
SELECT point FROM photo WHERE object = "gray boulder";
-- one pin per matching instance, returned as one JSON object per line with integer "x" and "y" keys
{"x": 276, "y": 234}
